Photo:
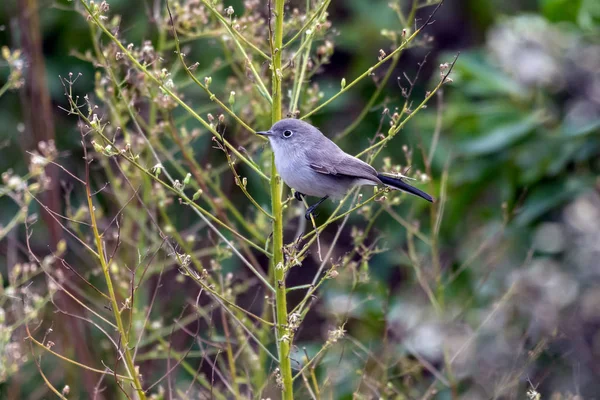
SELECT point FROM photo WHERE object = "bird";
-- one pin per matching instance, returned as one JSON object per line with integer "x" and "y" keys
{"x": 313, "y": 165}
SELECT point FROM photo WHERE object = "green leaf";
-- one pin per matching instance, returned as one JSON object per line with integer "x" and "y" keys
{"x": 484, "y": 79}
{"x": 501, "y": 137}
{"x": 572, "y": 131}
{"x": 560, "y": 10}
{"x": 544, "y": 198}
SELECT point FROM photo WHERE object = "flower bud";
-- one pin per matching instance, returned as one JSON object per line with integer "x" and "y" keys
{"x": 97, "y": 147}
{"x": 197, "y": 194}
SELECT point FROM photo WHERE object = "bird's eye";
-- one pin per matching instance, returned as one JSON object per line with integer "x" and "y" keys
{"x": 287, "y": 133}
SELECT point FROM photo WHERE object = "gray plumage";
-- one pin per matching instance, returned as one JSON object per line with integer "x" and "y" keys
{"x": 313, "y": 165}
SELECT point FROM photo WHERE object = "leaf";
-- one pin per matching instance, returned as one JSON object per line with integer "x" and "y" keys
{"x": 572, "y": 131}
{"x": 484, "y": 79}
{"x": 549, "y": 196}
{"x": 501, "y": 137}
{"x": 561, "y": 10}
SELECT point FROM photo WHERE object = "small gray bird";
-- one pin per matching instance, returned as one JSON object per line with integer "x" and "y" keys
{"x": 313, "y": 165}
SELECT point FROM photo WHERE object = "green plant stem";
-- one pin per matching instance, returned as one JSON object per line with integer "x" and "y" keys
{"x": 168, "y": 91}
{"x": 195, "y": 167}
{"x": 437, "y": 213}
{"x": 313, "y": 378}
{"x": 205, "y": 215}
{"x": 234, "y": 36}
{"x": 18, "y": 218}
{"x": 306, "y": 42}
{"x": 407, "y": 225}
{"x": 375, "y": 66}
{"x": 199, "y": 268}
{"x": 240, "y": 183}
{"x": 153, "y": 104}
{"x": 283, "y": 335}
{"x": 229, "y": 351}
{"x": 113, "y": 298}
{"x": 310, "y": 362}
{"x": 394, "y": 130}
{"x": 372, "y": 100}
{"x": 211, "y": 95}
{"x": 194, "y": 36}
{"x": 317, "y": 12}
{"x": 416, "y": 264}
{"x": 39, "y": 367}
{"x": 200, "y": 210}
{"x": 197, "y": 172}
{"x": 300, "y": 78}
{"x": 229, "y": 60}
{"x": 210, "y": 287}
{"x": 314, "y": 233}
{"x": 200, "y": 378}
{"x": 334, "y": 217}
{"x": 385, "y": 79}
{"x": 80, "y": 365}
{"x": 5, "y": 87}
{"x": 234, "y": 33}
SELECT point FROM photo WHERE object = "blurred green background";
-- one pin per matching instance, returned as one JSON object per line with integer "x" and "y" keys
{"x": 520, "y": 136}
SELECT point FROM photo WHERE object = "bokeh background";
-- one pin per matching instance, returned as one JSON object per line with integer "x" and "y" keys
{"x": 520, "y": 237}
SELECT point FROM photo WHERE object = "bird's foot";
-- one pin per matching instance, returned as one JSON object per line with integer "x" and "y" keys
{"x": 299, "y": 196}
{"x": 311, "y": 211}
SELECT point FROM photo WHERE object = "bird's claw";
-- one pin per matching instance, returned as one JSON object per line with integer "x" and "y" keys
{"x": 298, "y": 196}
{"x": 311, "y": 209}
{"x": 309, "y": 212}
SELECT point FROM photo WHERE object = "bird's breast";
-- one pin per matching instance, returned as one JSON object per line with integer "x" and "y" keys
{"x": 296, "y": 173}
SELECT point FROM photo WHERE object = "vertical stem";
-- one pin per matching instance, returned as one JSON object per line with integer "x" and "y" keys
{"x": 230, "y": 357}
{"x": 283, "y": 336}
{"x": 113, "y": 297}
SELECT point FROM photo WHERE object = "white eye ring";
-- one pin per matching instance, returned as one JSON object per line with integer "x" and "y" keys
{"x": 287, "y": 133}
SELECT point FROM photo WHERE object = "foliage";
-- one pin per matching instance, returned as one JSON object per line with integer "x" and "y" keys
{"x": 186, "y": 269}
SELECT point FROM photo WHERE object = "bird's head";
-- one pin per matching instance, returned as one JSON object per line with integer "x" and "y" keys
{"x": 290, "y": 134}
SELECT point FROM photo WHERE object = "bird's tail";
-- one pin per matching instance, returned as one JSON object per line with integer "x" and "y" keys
{"x": 401, "y": 185}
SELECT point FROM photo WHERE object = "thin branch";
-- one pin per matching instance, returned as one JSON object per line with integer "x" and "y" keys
{"x": 211, "y": 95}
{"x": 164, "y": 87}
{"x": 39, "y": 367}
{"x": 234, "y": 35}
{"x": 375, "y": 66}
{"x": 394, "y": 130}
{"x": 322, "y": 8}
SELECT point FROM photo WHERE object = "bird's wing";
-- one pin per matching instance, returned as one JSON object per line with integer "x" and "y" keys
{"x": 331, "y": 160}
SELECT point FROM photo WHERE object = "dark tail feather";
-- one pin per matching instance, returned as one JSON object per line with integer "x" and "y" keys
{"x": 400, "y": 184}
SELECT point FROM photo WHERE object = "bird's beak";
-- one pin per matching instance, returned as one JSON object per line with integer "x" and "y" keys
{"x": 265, "y": 133}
